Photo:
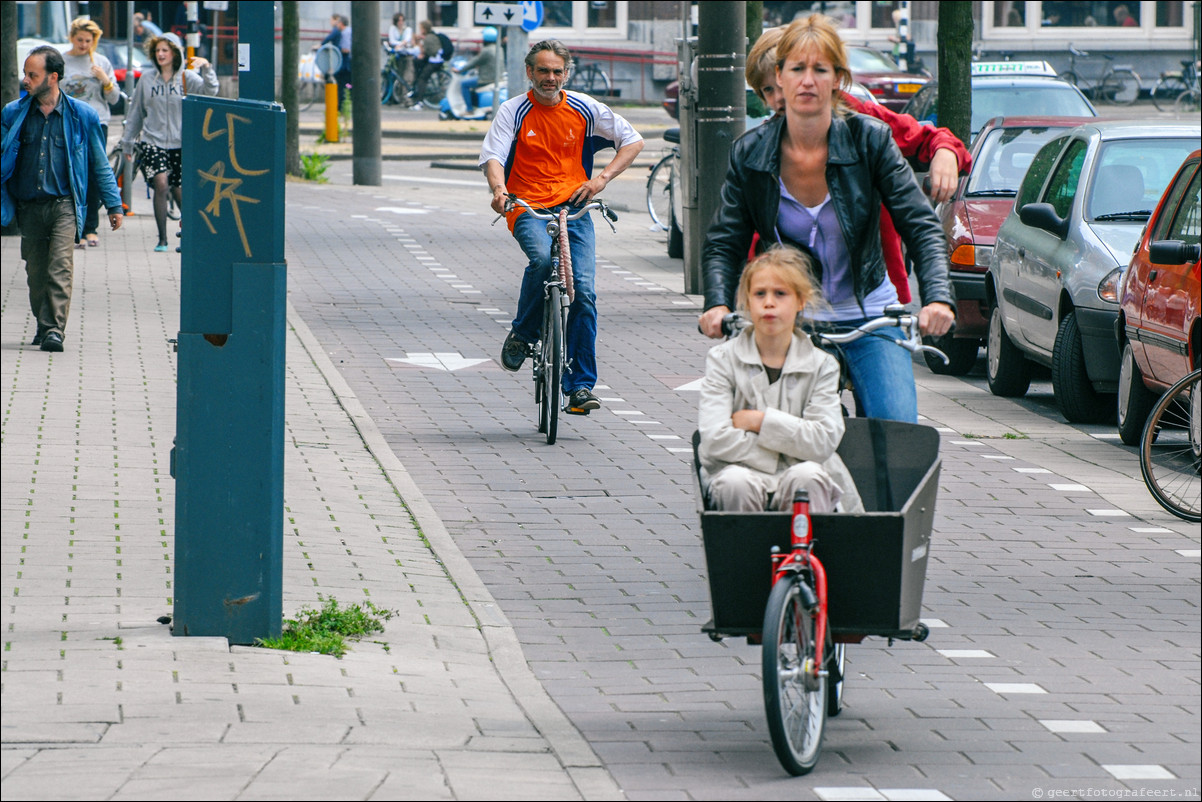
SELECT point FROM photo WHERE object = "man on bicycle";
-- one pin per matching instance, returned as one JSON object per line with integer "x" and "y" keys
{"x": 540, "y": 147}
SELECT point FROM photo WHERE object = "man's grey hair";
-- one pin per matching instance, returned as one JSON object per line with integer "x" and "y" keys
{"x": 555, "y": 46}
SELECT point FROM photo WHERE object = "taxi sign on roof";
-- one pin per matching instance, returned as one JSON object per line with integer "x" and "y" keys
{"x": 1003, "y": 68}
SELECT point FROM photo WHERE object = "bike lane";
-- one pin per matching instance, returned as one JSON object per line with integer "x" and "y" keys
{"x": 1065, "y": 643}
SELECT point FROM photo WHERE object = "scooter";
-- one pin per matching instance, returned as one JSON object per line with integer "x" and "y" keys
{"x": 454, "y": 107}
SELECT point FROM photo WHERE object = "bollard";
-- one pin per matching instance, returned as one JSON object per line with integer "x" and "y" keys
{"x": 331, "y": 110}
{"x": 229, "y": 455}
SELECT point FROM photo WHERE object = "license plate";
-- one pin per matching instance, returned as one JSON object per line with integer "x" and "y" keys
{"x": 908, "y": 89}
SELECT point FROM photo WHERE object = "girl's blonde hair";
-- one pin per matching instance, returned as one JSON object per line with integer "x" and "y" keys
{"x": 794, "y": 267}
{"x": 84, "y": 24}
{"x": 820, "y": 34}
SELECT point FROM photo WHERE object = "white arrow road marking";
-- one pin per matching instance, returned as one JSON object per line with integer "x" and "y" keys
{"x": 448, "y": 362}
{"x": 692, "y": 387}
{"x": 401, "y": 210}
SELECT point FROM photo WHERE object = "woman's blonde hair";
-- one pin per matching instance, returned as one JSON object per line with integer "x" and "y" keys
{"x": 821, "y": 34}
{"x": 794, "y": 267}
{"x": 84, "y": 24}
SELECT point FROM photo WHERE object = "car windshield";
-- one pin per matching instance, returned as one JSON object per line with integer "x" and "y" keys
{"x": 863, "y": 60}
{"x": 1054, "y": 100}
{"x": 1003, "y": 159}
{"x": 1130, "y": 176}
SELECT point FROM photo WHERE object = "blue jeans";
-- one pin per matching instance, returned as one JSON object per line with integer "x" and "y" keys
{"x": 883, "y": 374}
{"x": 531, "y": 235}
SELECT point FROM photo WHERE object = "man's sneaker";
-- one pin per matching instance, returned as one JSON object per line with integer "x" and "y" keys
{"x": 513, "y": 352}
{"x": 53, "y": 341}
{"x": 582, "y": 402}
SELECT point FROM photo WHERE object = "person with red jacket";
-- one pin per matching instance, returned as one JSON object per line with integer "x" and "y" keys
{"x": 941, "y": 151}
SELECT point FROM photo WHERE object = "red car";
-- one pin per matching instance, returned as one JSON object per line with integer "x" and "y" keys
{"x": 1000, "y": 157}
{"x": 889, "y": 84}
{"x": 1158, "y": 327}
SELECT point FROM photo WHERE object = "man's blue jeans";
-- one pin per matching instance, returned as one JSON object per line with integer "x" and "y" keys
{"x": 531, "y": 235}
{"x": 883, "y": 374}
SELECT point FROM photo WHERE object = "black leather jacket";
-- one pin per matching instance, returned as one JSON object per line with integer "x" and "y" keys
{"x": 864, "y": 167}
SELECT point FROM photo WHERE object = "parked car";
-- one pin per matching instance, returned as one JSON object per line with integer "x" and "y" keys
{"x": 1008, "y": 88}
{"x": 888, "y": 83}
{"x": 1000, "y": 157}
{"x": 117, "y": 54}
{"x": 1158, "y": 327}
{"x": 1053, "y": 281}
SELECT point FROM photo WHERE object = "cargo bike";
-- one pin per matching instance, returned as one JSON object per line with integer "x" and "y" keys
{"x": 806, "y": 585}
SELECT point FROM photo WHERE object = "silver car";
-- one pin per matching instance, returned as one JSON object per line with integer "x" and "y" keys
{"x": 1054, "y": 278}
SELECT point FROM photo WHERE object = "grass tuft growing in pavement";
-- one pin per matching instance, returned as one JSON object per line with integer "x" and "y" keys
{"x": 327, "y": 628}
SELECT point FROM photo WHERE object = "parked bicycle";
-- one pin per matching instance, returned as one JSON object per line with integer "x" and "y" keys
{"x": 394, "y": 88}
{"x": 1170, "y": 449}
{"x": 836, "y": 578}
{"x": 549, "y": 357}
{"x": 591, "y": 80}
{"x": 662, "y": 184}
{"x": 1118, "y": 83}
{"x": 1173, "y": 84}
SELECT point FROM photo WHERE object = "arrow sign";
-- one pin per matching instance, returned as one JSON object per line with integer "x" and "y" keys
{"x": 498, "y": 14}
{"x": 532, "y": 15}
{"x": 446, "y": 362}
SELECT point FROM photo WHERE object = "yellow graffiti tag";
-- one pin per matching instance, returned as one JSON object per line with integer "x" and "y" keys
{"x": 225, "y": 189}
{"x": 230, "y": 119}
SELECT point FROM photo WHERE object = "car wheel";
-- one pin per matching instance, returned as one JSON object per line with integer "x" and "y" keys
{"x": 1007, "y": 370}
{"x": 1076, "y": 398}
{"x": 675, "y": 238}
{"x": 961, "y": 354}
{"x": 1135, "y": 399}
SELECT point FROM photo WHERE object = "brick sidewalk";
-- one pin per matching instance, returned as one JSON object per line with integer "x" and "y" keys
{"x": 99, "y": 700}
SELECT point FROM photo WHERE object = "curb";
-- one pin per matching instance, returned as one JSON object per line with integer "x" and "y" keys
{"x": 588, "y": 774}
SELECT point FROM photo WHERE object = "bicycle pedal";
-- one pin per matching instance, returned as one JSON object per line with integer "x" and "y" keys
{"x": 576, "y": 411}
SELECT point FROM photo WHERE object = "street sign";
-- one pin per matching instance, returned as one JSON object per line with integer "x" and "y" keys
{"x": 217, "y": 5}
{"x": 498, "y": 14}
{"x": 532, "y": 15}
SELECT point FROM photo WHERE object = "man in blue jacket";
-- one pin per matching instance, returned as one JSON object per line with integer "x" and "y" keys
{"x": 51, "y": 147}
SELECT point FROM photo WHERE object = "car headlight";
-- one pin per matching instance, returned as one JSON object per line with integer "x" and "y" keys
{"x": 1109, "y": 286}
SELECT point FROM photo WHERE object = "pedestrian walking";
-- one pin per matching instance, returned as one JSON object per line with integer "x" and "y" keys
{"x": 50, "y": 151}
{"x": 89, "y": 77}
{"x": 156, "y": 118}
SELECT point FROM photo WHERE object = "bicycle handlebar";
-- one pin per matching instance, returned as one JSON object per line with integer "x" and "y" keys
{"x": 895, "y": 315}
{"x": 544, "y": 214}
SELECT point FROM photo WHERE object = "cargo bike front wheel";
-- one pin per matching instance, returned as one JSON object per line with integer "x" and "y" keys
{"x": 795, "y": 690}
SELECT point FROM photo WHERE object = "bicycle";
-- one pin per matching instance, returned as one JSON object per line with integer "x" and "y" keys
{"x": 394, "y": 89}
{"x": 662, "y": 184}
{"x": 866, "y": 579}
{"x": 1118, "y": 84}
{"x": 1171, "y": 85}
{"x": 1170, "y": 447}
{"x": 591, "y": 80}
{"x": 549, "y": 354}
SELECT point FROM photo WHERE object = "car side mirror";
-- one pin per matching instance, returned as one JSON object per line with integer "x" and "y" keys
{"x": 1044, "y": 217}
{"x": 1174, "y": 252}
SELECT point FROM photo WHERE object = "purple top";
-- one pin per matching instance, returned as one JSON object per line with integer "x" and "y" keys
{"x": 818, "y": 229}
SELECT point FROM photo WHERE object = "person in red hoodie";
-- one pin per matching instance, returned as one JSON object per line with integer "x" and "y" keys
{"x": 938, "y": 149}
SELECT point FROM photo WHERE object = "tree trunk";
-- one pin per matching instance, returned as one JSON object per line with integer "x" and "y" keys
{"x": 289, "y": 59}
{"x": 955, "y": 67}
{"x": 10, "y": 71}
